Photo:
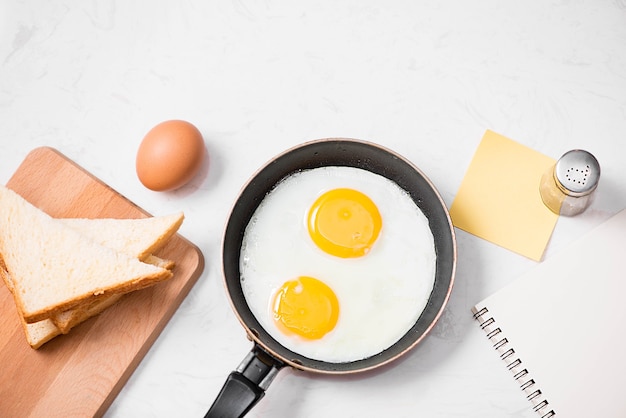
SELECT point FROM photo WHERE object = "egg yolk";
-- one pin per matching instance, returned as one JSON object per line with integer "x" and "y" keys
{"x": 307, "y": 307}
{"x": 344, "y": 223}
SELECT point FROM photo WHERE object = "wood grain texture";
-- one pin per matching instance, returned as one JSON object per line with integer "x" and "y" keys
{"x": 79, "y": 374}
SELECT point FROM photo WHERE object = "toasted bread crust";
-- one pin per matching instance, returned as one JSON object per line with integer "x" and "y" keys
{"x": 67, "y": 320}
{"x": 137, "y": 284}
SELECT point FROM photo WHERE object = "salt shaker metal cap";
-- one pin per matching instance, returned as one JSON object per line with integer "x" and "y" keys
{"x": 567, "y": 187}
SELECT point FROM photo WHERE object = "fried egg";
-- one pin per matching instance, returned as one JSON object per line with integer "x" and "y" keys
{"x": 337, "y": 263}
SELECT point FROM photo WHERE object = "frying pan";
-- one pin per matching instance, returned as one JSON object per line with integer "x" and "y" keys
{"x": 245, "y": 386}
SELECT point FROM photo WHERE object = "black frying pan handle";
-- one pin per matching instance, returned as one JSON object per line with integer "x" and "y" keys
{"x": 245, "y": 386}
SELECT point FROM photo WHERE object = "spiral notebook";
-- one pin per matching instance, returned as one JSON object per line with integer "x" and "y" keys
{"x": 561, "y": 328}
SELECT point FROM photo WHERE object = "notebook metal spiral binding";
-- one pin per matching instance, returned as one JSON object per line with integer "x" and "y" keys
{"x": 513, "y": 363}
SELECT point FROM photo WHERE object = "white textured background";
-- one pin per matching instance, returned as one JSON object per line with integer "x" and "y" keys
{"x": 425, "y": 78}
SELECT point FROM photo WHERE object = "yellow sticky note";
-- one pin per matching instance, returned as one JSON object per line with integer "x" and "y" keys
{"x": 499, "y": 198}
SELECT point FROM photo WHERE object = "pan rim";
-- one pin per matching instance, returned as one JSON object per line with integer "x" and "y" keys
{"x": 253, "y": 334}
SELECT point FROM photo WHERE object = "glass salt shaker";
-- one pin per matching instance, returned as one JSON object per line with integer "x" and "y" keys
{"x": 567, "y": 187}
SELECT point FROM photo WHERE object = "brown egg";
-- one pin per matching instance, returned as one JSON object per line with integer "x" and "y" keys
{"x": 169, "y": 155}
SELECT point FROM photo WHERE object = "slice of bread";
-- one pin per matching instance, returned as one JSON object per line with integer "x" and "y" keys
{"x": 53, "y": 267}
{"x": 133, "y": 236}
{"x": 136, "y": 237}
{"x": 40, "y": 332}
{"x": 67, "y": 320}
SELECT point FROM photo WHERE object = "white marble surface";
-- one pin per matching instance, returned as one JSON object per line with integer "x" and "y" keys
{"x": 425, "y": 78}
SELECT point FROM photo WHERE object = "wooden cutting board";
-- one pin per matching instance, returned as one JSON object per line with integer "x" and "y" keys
{"x": 79, "y": 374}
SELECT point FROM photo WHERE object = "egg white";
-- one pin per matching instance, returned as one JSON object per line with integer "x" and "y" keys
{"x": 381, "y": 295}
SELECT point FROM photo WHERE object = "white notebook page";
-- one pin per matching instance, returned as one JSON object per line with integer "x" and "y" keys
{"x": 566, "y": 322}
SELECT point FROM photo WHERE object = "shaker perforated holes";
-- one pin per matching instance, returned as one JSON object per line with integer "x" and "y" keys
{"x": 577, "y": 175}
